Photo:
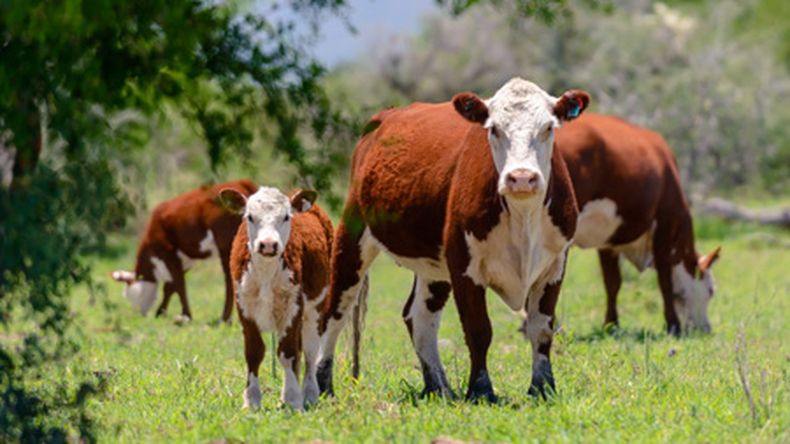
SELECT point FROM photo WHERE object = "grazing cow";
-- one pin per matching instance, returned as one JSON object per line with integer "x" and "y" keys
{"x": 467, "y": 194}
{"x": 628, "y": 190}
{"x": 180, "y": 231}
{"x": 280, "y": 268}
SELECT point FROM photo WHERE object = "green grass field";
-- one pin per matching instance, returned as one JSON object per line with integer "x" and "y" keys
{"x": 184, "y": 383}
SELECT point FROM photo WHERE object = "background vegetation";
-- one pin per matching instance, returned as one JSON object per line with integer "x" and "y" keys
{"x": 107, "y": 108}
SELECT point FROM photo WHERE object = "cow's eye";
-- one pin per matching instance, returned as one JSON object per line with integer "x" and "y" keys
{"x": 495, "y": 131}
{"x": 287, "y": 217}
{"x": 545, "y": 133}
{"x": 249, "y": 217}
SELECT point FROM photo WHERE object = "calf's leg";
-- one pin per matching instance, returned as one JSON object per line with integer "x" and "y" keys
{"x": 610, "y": 268}
{"x": 253, "y": 353}
{"x": 289, "y": 351}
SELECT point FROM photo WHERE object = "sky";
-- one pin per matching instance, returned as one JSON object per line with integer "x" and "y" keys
{"x": 373, "y": 19}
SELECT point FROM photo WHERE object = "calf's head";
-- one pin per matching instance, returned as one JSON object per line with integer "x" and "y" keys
{"x": 521, "y": 119}
{"x": 268, "y": 214}
{"x": 139, "y": 292}
{"x": 693, "y": 292}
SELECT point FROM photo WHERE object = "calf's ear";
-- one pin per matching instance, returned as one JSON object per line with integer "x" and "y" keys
{"x": 571, "y": 104}
{"x": 471, "y": 107}
{"x": 303, "y": 200}
{"x": 233, "y": 200}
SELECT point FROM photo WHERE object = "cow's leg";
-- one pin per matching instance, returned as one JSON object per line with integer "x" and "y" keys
{"x": 353, "y": 251}
{"x": 610, "y": 268}
{"x": 422, "y": 315}
{"x": 540, "y": 332}
{"x": 289, "y": 352}
{"x": 167, "y": 292}
{"x": 253, "y": 353}
{"x": 311, "y": 344}
{"x": 179, "y": 283}
{"x": 662, "y": 240}
{"x": 228, "y": 308}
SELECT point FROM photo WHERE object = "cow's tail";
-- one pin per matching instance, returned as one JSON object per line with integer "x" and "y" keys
{"x": 358, "y": 321}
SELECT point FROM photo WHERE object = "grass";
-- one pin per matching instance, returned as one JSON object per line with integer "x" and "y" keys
{"x": 184, "y": 383}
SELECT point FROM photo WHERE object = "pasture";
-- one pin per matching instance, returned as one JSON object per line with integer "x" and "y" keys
{"x": 171, "y": 383}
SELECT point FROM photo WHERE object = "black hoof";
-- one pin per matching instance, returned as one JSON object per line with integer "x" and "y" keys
{"x": 324, "y": 376}
{"x": 481, "y": 390}
{"x": 674, "y": 330}
{"x": 542, "y": 381}
{"x": 435, "y": 384}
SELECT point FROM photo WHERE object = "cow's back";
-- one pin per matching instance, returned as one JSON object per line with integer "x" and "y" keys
{"x": 610, "y": 159}
{"x": 401, "y": 175}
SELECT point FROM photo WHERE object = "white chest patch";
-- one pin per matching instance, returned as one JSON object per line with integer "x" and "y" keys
{"x": 640, "y": 251}
{"x": 522, "y": 254}
{"x": 597, "y": 222}
{"x": 267, "y": 295}
{"x": 161, "y": 272}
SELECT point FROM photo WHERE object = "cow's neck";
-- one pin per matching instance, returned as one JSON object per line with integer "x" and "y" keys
{"x": 274, "y": 272}
{"x": 144, "y": 267}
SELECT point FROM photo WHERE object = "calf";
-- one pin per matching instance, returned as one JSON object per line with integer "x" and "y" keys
{"x": 280, "y": 268}
{"x": 467, "y": 194}
{"x": 189, "y": 227}
{"x": 632, "y": 205}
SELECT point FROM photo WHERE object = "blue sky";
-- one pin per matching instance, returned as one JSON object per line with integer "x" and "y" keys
{"x": 373, "y": 20}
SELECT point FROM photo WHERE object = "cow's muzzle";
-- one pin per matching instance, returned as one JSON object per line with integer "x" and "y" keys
{"x": 522, "y": 183}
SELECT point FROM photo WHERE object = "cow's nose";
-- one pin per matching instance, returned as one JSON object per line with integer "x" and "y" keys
{"x": 267, "y": 247}
{"x": 522, "y": 180}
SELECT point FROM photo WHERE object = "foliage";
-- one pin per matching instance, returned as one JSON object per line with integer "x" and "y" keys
{"x": 635, "y": 385}
{"x": 715, "y": 94}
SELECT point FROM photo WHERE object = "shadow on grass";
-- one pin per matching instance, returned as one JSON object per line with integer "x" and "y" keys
{"x": 640, "y": 335}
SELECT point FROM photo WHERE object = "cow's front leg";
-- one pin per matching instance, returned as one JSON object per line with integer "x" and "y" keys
{"x": 540, "y": 332}
{"x": 289, "y": 350}
{"x": 253, "y": 353}
{"x": 422, "y": 315}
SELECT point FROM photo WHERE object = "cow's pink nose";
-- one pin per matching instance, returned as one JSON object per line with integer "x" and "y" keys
{"x": 522, "y": 180}
{"x": 267, "y": 247}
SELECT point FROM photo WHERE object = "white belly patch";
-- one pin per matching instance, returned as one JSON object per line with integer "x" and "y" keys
{"x": 640, "y": 251}
{"x": 596, "y": 223}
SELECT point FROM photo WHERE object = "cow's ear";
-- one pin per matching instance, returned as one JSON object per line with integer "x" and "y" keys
{"x": 233, "y": 200}
{"x": 705, "y": 262}
{"x": 124, "y": 276}
{"x": 571, "y": 104}
{"x": 471, "y": 107}
{"x": 303, "y": 200}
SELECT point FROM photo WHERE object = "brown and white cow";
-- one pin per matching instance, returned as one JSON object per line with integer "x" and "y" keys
{"x": 280, "y": 268}
{"x": 184, "y": 229}
{"x": 632, "y": 205}
{"x": 468, "y": 194}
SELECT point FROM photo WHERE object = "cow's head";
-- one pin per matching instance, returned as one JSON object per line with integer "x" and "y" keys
{"x": 693, "y": 291}
{"x": 141, "y": 293}
{"x": 268, "y": 214}
{"x": 521, "y": 119}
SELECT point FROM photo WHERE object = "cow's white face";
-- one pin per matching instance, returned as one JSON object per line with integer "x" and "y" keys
{"x": 140, "y": 293}
{"x": 268, "y": 214}
{"x": 693, "y": 293}
{"x": 521, "y": 119}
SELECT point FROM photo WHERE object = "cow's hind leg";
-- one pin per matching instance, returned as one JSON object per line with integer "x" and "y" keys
{"x": 353, "y": 251}
{"x": 422, "y": 315}
{"x": 610, "y": 268}
{"x": 227, "y": 310}
{"x": 253, "y": 353}
{"x": 289, "y": 353}
{"x": 311, "y": 344}
{"x": 167, "y": 293}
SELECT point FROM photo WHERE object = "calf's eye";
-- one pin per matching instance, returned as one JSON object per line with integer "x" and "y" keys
{"x": 287, "y": 217}
{"x": 249, "y": 217}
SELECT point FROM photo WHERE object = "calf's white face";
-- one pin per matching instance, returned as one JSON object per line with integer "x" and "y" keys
{"x": 521, "y": 119}
{"x": 268, "y": 214}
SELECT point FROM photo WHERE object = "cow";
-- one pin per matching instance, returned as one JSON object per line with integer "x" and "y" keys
{"x": 467, "y": 194}
{"x": 189, "y": 227}
{"x": 280, "y": 270}
{"x": 632, "y": 205}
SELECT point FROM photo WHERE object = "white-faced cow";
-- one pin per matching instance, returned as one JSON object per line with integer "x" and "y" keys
{"x": 280, "y": 268}
{"x": 632, "y": 205}
{"x": 187, "y": 228}
{"x": 468, "y": 194}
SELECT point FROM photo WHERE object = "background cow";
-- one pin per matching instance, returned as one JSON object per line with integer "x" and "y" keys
{"x": 632, "y": 205}
{"x": 280, "y": 267}
{"x": 467, "y": 194}
{"x": 186, "y": 228}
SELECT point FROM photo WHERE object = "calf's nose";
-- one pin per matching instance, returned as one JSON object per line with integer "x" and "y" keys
{"x": 267, "y": 247}
{"x": 522, "y": 180}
